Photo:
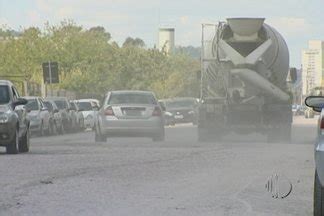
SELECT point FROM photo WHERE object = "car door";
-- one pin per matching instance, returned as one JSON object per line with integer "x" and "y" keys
{"x": 21, "y": 113}
{"x": 45, "y": 116}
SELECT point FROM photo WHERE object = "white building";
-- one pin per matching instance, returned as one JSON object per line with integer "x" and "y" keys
{"x": 312, "y": 66}
{"x": 166, "y": 40}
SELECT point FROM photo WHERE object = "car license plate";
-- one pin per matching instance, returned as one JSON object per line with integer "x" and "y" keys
{"x": 133, "y": 113}
{"x": 178, "y": 116}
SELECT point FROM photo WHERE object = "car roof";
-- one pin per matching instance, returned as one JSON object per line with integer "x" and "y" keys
{"x": 56, "y": 98}
{"x": 88, "y": 100}
{"x": 179, "y": 99}
{"x": 132, "y": 92}
{"x": 31, "y": 97}
{"x": 6, "y": 82}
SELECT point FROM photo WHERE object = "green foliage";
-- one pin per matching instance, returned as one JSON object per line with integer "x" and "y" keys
{"x": 91, "y": 64}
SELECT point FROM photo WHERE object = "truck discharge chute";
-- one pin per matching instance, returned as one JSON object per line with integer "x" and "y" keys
{"x": 244, "y": 85}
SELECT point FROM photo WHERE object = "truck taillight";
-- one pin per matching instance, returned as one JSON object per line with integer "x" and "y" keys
{"x": 109, "y": 111}
{"x": 157, "y": 111}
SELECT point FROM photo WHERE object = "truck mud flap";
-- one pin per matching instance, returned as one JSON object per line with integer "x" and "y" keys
{"x": 241, "y": 114}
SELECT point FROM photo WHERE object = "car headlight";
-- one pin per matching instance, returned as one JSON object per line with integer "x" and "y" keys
{"x": 4, "y": 118}
{"x": 168, "y": 114}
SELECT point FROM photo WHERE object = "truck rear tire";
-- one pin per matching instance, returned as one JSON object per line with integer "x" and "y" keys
{"x": 160, "y": 137}
{"x": 207, "y": 135}
{"x": 318, "y": 197}
{"x": 279, "y": 134}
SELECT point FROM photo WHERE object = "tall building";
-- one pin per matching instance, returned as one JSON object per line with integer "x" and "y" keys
{"x": 313, "y": 66}
{"x": 166, "y": 40}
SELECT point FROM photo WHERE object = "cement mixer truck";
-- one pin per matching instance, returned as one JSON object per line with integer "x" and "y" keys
{"x": 244, "y": 88}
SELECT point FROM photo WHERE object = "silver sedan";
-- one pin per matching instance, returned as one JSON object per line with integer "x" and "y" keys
{"x": 317, "y": 104}
{"x": 130, "y": 113}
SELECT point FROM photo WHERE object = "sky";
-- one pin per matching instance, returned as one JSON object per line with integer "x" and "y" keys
{"x": 297, "y": 20}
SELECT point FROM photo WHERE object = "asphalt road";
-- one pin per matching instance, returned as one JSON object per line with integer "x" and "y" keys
{"x": 73, "y": 175}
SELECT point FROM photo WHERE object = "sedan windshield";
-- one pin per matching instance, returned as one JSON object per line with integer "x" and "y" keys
{"x": 4, "y": 95}
{"x": 32, "y": 105}
{"x": 131, "y": 98}
{"x": 85, "y": 106}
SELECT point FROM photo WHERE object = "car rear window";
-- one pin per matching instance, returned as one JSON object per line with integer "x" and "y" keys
{"x": 4, "y": 95}
{"x": 85, "y": 106}
{"x": 131, "y": 98}
{"x": 61, "y": 104}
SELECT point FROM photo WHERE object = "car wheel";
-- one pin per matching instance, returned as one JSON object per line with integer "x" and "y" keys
{"x": 49, "y": 129}
{"x": 98, "y": 136}
{"x": 279, "y": 134}
{"x": 13, "y": 147}
{"x": 318, "y": 197}
{"x": 25, "y": 141}
{"x": 160, "y": 137}
{"x": 41, "y": 130}
{"x": 60, "y": 129}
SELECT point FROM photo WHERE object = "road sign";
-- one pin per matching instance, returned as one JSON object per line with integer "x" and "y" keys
{"x": 50, "y": 72}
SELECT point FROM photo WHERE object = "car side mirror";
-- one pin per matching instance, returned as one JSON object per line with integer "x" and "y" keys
{"x": 19, "y": 101}
{"x": 315, "y": 102}
{"x": 56, "y": 111}
{"x": 96, "y": 108}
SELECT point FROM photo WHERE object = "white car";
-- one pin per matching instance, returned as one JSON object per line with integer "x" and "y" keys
{"x": 89, "y": 108}
{"x": 38, "y": 115}
{"x": 317, "y": 104}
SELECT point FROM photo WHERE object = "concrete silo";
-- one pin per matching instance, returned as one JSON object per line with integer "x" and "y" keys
{"x": 166, "y": 40}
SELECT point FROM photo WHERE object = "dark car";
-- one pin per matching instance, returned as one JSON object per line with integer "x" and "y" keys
{"x": 184, "y": 110}
{"x": 64, "y": 107}
{"x": 56, "y": 122}
{"x": 168, "y": 116}
{"x": 14, "y": 124}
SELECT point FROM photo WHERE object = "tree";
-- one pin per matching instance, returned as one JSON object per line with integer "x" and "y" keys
{"x": 137, "y": 42}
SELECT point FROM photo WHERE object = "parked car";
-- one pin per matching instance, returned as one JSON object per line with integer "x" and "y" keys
{"x": 130, "y": 113}
{"x": 76, "y": 112}
{"x": 14, "y": 124}
{"x": 64, "y": 107}
{"x": 168, "y": 116}
{"x": 184, "y": 110}
{"x": 56, "y": 121}
{"x": 294, "y": 108}
{"x": 89, "y": 109}
{"x": 317, "y": 104}
{"x": 38, "y": 115}
{"x": 300, "y": 110}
